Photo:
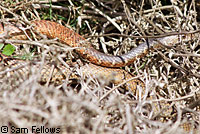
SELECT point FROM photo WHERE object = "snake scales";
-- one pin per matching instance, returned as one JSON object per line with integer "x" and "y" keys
{"x": 102, "y": 64}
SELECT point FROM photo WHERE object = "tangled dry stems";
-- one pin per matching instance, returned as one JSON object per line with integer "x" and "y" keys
{"x": 82, "y": 107}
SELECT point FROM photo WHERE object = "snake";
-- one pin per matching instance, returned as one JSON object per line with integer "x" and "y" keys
{"x": 71, "y": 38}
{"x": 101, "y": 64}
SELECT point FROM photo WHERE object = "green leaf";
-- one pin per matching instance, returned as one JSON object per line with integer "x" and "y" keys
{"x": 1, "y": 46}
{"x": 8, "y": 50}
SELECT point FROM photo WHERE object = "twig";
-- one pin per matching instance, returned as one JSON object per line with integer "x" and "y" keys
{"x": 156, "y": 36}
{"x": 91, "y": 5}
{"x": 114, "y": 88}
{"x": 191, "y": 106}
{"x": 50, "y": 75}
{"x": 186, "y": 71}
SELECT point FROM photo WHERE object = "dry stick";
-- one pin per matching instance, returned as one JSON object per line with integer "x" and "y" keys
{"x": 156, "y": 36}
{"x": 129, "y": 16}
{"x": 26, "y": 108}
{"x": 15, "y": 68}
{"x": 187, "y": 72}
{"x": 157, "y": 8}
{"x": 104, "y": 5}
{"x": 39, "y": 6}
{"x": 7, "y": 10}
{"x": 114, "y": 88}
{"x": 91, "y": 5}
{"x": 15, "y": 15}
{"x": 150, "y": 22}
{"x": 173, "y": 63}
{"x": 186, "y": 55}
{"x": 50, "y": 75}
{"x": 102, "y": 40}
{"x": 177, "y": 11}
{"x": 47, "y": 1}
{"x": 195, "y": 14}
{"x": 115, "y": 14}
{"x": 191, "y": 106}
{"x": 21, "y": 5}
{"x": 38, "y": 43}
{"x": 141, "y": 7}
{"x": 153, "y": 24}
{"x": 129, "y": 119}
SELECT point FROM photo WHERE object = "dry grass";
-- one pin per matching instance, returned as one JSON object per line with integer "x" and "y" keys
{"x": 171, "y": 75}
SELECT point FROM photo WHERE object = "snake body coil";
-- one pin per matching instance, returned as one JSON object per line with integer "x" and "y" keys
{"x": 69, "y": 37}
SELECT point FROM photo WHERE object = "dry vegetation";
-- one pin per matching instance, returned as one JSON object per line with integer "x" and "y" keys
{"x": 83, "y": 105}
